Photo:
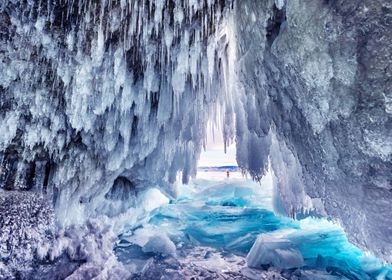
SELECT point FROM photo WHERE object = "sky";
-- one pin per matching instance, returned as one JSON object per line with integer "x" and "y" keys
{"x": 214, "y": 155}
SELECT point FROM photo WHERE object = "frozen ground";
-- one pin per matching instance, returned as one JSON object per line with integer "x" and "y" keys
{"x": 217, "y": 228}
{"x": 221, "y": 228}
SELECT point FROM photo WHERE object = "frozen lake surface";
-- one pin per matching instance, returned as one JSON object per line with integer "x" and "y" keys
{"x": 225, "y": 228}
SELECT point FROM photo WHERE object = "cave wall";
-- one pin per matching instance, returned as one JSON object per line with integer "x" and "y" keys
{"x": 315, "y": 104}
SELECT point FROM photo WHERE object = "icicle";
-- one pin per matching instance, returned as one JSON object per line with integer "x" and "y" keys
{"x": 115, "y": 88}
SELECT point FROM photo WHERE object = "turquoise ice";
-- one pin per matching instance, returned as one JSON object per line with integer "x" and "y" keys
{"x": 230, "y": 215}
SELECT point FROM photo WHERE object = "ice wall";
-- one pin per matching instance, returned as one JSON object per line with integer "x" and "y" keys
{"x": 102, "y": 98}
{"x": 315, "y": 78}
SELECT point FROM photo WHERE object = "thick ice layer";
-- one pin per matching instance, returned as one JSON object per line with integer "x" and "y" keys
{"x": 102, "y": 99}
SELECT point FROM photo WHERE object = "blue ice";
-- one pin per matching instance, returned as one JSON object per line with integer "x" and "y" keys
{"x": 230, "y": 215}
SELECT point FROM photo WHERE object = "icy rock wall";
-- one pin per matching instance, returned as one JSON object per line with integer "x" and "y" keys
{"x": 32, "y": 248}
{"x": 26, "y": 222}
{"x": 315, "y": 78}
{"x": 103, "y": 97}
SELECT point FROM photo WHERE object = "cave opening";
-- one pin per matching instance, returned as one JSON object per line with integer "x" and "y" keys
{"x": 223, "y": 218}
{"x": 218, "y": 156}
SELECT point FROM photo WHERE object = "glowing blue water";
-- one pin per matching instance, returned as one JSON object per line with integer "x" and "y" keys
{"x": 230, "y": 215}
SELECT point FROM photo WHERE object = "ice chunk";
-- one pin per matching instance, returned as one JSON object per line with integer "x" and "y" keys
{"x": 160, "y": 244}
{"x": 153, "y": 199}
{"x": 271, "y": 249}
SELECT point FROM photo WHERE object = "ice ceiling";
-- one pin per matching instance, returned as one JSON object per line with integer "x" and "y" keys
{"x": 100, "y": 99}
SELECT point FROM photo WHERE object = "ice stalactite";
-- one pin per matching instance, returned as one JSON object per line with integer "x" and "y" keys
{"x": 94, "y": 93}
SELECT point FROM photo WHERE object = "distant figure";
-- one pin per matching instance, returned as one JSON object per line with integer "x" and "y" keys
{"x": 228, "y": 174}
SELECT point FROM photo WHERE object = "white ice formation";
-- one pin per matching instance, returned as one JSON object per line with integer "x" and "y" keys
{"x": 102, "y": 99}
{"x": 160, "y": 244}
{"x": 316, "y": 83}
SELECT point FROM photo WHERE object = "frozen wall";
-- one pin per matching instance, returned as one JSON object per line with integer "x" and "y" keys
{"x": 316, "y": 82}
{"x": 102, "y": 98}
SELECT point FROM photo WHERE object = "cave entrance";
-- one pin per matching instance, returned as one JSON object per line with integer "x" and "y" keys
{"x": 217, "y": 162}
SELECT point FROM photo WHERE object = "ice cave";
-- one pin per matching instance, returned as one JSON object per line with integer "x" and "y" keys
{"x": 195, "y": 139}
